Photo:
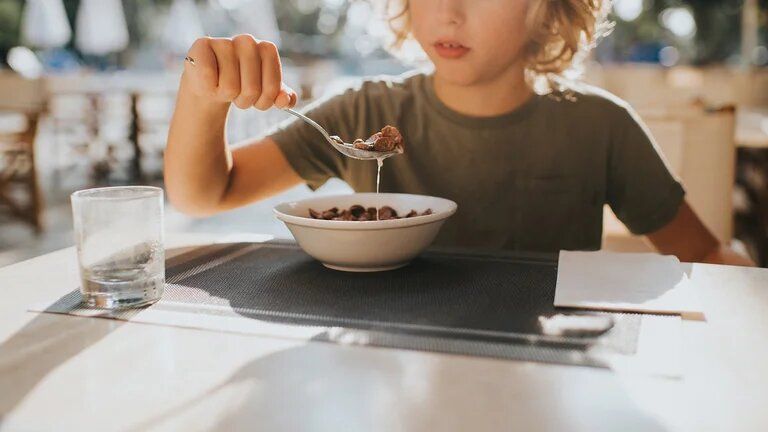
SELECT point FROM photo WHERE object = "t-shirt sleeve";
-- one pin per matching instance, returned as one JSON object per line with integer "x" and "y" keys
{"x": 308, "y": 153}
{"x": 642, "y": 191}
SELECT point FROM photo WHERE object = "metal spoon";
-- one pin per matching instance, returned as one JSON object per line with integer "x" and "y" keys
{"x": 346, "y": 148}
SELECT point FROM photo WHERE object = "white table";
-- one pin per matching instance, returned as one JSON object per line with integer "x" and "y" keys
{"x": 69, "y": 373}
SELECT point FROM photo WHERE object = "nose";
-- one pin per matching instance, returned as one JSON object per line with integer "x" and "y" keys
{"x": 451, "y": 12}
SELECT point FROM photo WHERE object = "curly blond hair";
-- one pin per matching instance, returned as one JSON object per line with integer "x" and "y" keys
{"x": 560, "y": 35}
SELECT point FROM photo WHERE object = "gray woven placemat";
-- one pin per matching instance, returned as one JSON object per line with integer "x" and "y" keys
{"x": 484, "y": 305}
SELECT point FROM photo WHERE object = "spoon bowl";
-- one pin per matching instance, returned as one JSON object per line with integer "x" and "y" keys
{"x": 350, "y": 151}
{"x": 347, "y": 149}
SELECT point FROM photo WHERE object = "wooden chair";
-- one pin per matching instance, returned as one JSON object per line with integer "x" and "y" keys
{"x": 22, "y": 103}
{"x": 699, "y": 147}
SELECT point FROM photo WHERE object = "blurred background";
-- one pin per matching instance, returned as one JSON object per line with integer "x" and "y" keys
{"x": 87, "y": 88}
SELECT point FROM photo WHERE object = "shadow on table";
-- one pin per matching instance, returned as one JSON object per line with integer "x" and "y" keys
{"x": 42, "y": 345}
{"x": 317, "y": 387}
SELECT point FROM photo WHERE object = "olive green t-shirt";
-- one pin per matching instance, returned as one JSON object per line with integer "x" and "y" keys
{"x": 534, "y": 179}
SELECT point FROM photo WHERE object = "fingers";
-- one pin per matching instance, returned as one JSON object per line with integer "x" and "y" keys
{"x": 247, "y": 50}
{"x": 287, "y": 98}
{"x": 229, "y": 69}
{"x": 204, "y": 75}
{"x": 271, "y": 75}
{"x": 241, "y": 70}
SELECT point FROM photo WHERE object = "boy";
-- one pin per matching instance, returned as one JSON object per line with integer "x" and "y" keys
{"x": 530, "y": 171}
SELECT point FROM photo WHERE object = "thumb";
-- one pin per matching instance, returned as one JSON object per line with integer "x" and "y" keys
{"x": 286, "y": 98}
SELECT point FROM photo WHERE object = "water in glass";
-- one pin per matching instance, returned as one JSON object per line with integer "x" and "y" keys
{"x": 119, "y": 235}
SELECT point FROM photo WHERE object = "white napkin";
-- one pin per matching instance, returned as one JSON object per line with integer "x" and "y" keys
{"x": 633, "y": 282}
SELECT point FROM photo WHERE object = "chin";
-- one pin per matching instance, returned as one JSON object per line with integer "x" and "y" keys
{"x": 458, "y": 74}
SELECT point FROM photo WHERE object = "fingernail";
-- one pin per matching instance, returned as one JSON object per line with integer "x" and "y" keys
{"x": 284, "y": 99}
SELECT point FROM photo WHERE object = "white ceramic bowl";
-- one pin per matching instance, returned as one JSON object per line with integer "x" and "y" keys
{"x": 370, "y": 245}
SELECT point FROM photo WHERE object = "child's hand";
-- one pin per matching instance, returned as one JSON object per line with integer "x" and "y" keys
{"x": 239, "y": 70}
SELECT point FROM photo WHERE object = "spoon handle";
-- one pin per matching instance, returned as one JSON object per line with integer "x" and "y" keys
{"x": 311, "y": 122}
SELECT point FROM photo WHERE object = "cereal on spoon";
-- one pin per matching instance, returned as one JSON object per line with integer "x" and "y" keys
{"x": 387, "y": 139}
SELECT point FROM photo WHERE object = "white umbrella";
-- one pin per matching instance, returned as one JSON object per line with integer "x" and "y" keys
{"x": 44, "y": 24}
{"x": 182, "y": 27}
{"x": 101, "y": 27}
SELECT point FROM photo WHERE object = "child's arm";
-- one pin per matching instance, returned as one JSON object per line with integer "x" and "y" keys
{"x": 687, "y": 238}
{"x": 650, "y": 201}
{"x": 202, "y": 175}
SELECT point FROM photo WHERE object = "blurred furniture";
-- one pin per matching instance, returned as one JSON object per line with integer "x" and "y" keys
{"x": 752, "y": 127}
{"x": 699, "y": 148}
{"x": 72, "y": 123}
{"x": 751, "y": 198}
{"x": 751, "y": 202}
{"x": 152, "y": 113}
{"x": 647, "y": 85}
{"x": 110, "y": 125}
{"x": 93, "y": 136}
{"x": 22, "y": 103}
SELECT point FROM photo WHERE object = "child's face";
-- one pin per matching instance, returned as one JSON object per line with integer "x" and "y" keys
{"x": 470, "y": 41}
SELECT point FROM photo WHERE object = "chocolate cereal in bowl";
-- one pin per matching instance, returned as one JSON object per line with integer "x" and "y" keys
{"x": 365, "y": 232}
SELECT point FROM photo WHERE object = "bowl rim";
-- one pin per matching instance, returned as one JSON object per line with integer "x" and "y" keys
{"x": 364, "y": 225}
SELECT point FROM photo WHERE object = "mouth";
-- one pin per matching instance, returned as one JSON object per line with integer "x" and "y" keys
{"x": 450, "y": 49}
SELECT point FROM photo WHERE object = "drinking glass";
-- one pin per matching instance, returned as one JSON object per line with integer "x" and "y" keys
{"x": 119, "y": 240}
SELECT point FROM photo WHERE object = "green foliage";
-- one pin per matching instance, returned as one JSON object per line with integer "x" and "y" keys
{"x": 718, "y": 34}
{"x": 10, "y": 18}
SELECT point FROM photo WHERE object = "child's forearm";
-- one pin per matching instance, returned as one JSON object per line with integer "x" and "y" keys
{"x": 197, "y": 161}
{"x": 690, "y": 240}
{"x": 218, "y": 72}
